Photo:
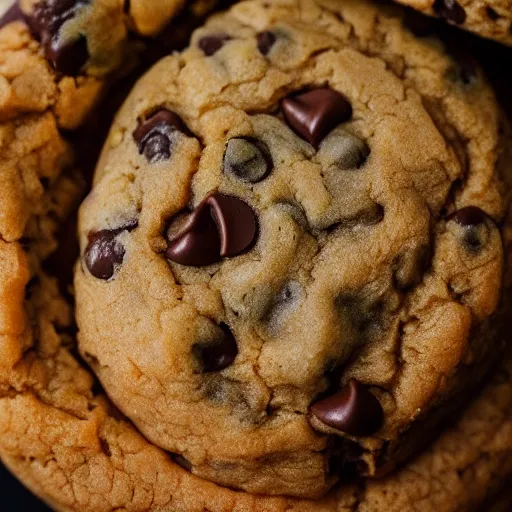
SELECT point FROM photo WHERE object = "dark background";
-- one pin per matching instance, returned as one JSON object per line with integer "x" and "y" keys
{"x": 14, "y": 497}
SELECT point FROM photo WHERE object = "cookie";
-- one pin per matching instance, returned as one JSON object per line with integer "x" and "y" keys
{"x": 92, "y": 36}
{"x": 487, "y": 18}
{"x": 292, "y": 258}
{"x": 39, "y": 102}
{"x": 72, "y": 448}
{"x": 42, "y": 183}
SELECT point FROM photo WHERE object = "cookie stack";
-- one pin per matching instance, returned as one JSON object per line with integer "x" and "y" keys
{"x": 293, "y": 283}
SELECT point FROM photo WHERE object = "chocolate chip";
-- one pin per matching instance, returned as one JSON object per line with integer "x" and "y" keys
{"x": 473, "y": 220}
{"x": 69, "y": 57}
{"x": 353, "y": 410}
{"x": 104, "y": 251}
{"x": 450, "y": 10}
{"x": 197, "y": 243}
{"x": 214, "y": 356}
{"x": 313, "y": 114}
{"x": 14, "y": 13}
{"x": 48, "y": 16}
{"x": 247, "y": 159}
{"x": 158, "y": 147}
{"x": 212, "y": 44}
{"x": 343, "y": 150}
{"x": 469, "y": 216}
{"x": 221, "y": 226}
{"x": 236, "y": 223}
{"x": 153, "y": 135}
{"x": 265, "y": 41}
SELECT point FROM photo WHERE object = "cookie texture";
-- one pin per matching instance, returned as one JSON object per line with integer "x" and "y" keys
{"x": 292, "y": 256}
{"x": 487, "y": 18}
{"x": 92, "y": 36}
{"x": 73, "y": 448}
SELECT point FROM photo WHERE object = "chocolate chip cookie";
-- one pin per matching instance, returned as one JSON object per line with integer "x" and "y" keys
{"x": 487, "y": 18}
{"x": 92, "y": 35}
{"x": 292, "y": 259}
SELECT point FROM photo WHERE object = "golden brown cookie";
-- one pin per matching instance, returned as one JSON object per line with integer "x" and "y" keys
{"x": 292, "y": 261}
{"x": 487, "y": 18}
{"x": 59, "y": 433}
{"x": 75, "y": 451}
{"x": 82, "y": 35}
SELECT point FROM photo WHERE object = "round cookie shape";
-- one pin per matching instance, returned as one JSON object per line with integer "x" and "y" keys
{"x": 487, "y": 18}
{"x": 317, "y": 257}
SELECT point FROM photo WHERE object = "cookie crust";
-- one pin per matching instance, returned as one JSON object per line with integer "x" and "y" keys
{"x": 63, "y": 438}
{"x": 431, "y": 126}
{"x": 487, "y": 18}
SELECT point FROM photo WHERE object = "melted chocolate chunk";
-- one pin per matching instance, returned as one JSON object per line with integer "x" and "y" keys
{"x": 197, "y": 243}
{"x": 104, "y": 251}
{"x": 450, "y": 10}
{"x": 221, "y": 226}
{"x": 212, "y": 44}
{"x": 476, "y": 232}
{"x": 247, "y": 159}
{"x": 236, "y": 223}
{"x": 469, "y": 216}
{"x": 266, "y": 41}
{"x": 214, "y": 356}
{"x": 68, "y": 56}
{"x": 353, "y": 410}
{"x": 313, "y": 114}
{"x": 153, "y": 135}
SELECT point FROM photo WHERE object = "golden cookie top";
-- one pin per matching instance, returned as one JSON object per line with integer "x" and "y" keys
{"x": 291, "y": 255}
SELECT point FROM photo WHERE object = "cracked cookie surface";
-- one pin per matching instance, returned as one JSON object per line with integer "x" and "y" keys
{"x": 292, "y": 260}
{"x": 487, "y": 18}
{"x": 70, "y": 446}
